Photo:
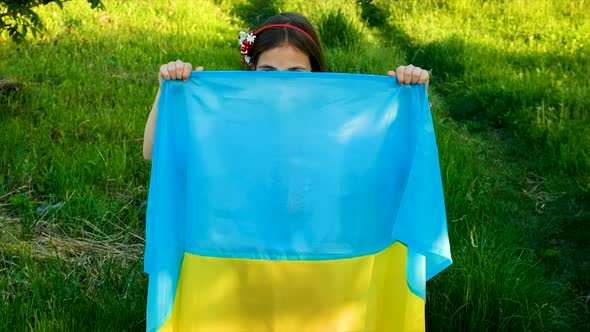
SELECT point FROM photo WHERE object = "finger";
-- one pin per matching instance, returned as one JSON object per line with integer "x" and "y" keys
{"x": 424, "y": 76}
{"x": 186, "y": 71}
{"x": 171, "y": 67}
{"x": 179, "y": 69}
{"x": 164, "y": 73}
{"x": 391, "y": 73}
{"x": 416, "y": 72}
{"x": 399, "y": 72}
{"x": 408, "y": 74}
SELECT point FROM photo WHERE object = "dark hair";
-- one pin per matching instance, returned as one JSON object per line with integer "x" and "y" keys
{"x": 278, "y": 36}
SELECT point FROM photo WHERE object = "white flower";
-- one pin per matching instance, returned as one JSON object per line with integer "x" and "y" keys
{"x": 243, "y": 36}
{"x": 246, "y": 41}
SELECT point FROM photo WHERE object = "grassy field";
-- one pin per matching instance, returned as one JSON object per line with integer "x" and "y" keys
{"x": 511, "y": 103}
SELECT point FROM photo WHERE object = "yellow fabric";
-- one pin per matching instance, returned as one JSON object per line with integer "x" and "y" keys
{"x": 363, "y": 294}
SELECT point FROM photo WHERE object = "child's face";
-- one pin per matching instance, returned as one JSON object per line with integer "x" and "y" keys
{"x": 284, "y": 57}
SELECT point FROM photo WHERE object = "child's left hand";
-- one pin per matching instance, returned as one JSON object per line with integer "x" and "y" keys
{"x": 410, "y": 75}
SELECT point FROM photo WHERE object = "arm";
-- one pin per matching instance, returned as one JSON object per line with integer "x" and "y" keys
{"x": 150, "y": 129}
{"x": 177, "y": 70}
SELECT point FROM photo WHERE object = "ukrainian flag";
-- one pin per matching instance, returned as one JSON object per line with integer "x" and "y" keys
{"x": 293, "y": 202}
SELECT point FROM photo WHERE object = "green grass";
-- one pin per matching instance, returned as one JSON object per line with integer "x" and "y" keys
{"x": 511, "y": 106}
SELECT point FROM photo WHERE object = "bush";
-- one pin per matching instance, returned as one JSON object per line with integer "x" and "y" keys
{"x": 18, "y": 17}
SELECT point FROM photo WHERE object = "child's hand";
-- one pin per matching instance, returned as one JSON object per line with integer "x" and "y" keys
{"x": 176, "y": 70}
{"x": 410, "y": 75}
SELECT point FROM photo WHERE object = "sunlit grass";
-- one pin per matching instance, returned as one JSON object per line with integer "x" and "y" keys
{"x": 510, "y": 102}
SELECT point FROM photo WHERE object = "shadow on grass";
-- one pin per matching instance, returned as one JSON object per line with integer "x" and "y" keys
{"x": 493, "y": 99}
{"x": 524, "y": 94}
{"x": 337, "y": 31}
{"x": 254, "y": 12}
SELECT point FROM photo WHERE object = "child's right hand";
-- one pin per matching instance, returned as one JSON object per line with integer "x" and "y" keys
{"x": 176, "y": 70}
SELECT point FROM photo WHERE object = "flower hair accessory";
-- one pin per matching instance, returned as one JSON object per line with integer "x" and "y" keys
{"x": 247, "y": 39}
{"x": 246, "y": 44}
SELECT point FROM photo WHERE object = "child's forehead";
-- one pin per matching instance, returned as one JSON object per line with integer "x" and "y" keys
{"x": 284, "y": 57}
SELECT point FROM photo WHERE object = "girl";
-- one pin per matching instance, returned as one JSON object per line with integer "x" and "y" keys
{"x": 284, "y": 42}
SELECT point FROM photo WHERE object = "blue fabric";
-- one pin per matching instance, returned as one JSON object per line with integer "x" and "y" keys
{"x": 291, "y": 165}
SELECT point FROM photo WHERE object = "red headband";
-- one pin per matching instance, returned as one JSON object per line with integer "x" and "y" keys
{"x": 284, "y": 25}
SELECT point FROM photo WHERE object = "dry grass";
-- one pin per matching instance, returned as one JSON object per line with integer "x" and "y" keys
{"x": 49, "y": 242}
